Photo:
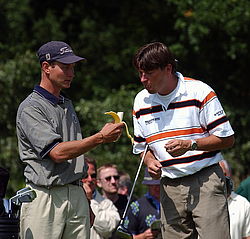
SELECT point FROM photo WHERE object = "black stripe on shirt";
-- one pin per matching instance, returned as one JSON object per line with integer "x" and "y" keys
{"x": 47, "y": 149}
{"x": 217, "y": 122}
{"x": 139, "y": 139}
{"x": 153, "y": 109}
{"x": 184, "y": 104}
{"x": 159, "y": 108}
{"x": 189, "y": 159}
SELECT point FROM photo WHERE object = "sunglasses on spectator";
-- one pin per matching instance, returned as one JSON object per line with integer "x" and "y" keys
{"x": 93, "y": 175}
{"x": 116, "y": 177}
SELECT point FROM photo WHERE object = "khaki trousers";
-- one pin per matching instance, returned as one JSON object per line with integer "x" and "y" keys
{"x": 195, "y": 205}
{"x": 61, "y": 212}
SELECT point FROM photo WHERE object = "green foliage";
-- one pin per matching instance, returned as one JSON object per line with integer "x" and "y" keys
{"x": 209, "y": 38}
{"x": 17, "y": 78}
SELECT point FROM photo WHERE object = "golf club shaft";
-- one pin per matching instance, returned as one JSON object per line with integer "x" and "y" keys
{"x": 132, "y": 189}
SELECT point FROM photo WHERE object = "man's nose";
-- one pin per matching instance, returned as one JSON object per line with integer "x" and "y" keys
{"x": 113, "y": 180}
{"x": 89, "y": 178}
{"x": 71, "y": 72}
{"x": 143, "y": 77}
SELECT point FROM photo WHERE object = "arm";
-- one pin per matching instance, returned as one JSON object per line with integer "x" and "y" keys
{"x": 71, "y": 149}
{"x": 178, "y": 147}
{"x": 39, "y": 133}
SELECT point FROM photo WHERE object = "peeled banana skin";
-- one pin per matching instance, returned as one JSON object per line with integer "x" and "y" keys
{"x": 115, "y": 116}
{"x": 118, "y": 119}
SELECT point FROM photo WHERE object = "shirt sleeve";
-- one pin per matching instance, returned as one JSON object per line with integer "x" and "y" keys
{"x": 139, "y": 139}
{"x": 212, "y": 115}
{"x": 37, "y": 133}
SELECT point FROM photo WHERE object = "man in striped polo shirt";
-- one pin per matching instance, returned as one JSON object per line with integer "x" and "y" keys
{"x": 185, "y": 126}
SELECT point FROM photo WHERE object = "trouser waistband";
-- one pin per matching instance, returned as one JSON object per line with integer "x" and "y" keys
{"x": 76, "y": 183}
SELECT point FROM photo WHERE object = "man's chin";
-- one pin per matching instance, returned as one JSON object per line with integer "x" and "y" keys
{"x": 113, "y": 192}
{"x": 150, "y": 91}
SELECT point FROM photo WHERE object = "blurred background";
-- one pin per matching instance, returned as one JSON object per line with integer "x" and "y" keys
{"x": 210, "y": 39}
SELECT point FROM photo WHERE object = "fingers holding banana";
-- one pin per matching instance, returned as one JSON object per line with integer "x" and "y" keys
{"x": 111, "y": 132}
{"x": 118, "y": 119}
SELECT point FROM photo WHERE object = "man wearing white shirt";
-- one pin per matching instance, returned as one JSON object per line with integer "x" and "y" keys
{"x": 239, "y": 210}
{"x": 183, "y": 123}
{"x": 106, "y": 214}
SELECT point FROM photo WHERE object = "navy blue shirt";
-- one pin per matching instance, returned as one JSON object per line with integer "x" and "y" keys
{"x": 141, "y": 214}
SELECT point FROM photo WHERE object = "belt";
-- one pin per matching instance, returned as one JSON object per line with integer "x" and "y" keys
{"x": 77, "y": 183}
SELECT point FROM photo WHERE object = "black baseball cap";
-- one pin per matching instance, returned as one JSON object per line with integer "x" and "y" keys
{"x": 57, "y": 51}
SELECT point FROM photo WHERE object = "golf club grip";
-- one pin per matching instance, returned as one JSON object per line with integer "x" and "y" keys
{"x": 132, "y": 190}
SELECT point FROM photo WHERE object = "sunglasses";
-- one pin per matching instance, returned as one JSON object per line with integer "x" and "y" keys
{"x": 115, "y": 177}
{"x": 93, "y": 175}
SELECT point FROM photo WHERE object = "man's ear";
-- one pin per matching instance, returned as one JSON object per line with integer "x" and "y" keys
{"x": 98, "y": 183}
{"x": 169, "y": 68}
{"x": 46, "y": 67}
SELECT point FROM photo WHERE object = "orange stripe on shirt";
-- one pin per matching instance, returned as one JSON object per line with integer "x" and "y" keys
{"x": 174, "y": 133}
{"x": 208, "y": 97}
{"x": 188, "y": 78}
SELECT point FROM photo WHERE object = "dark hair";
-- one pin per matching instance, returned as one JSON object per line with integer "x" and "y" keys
{"x": 153, "y": 56}
{"x": 90, "y": 160}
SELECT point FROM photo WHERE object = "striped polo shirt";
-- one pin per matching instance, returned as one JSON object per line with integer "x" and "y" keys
{"x": 191, "y": 111}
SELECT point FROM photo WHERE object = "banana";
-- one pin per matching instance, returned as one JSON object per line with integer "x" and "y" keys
{"x": 118, "y": 119}
{"x": 128, "y": 134}
{"x": 115, "y": 116}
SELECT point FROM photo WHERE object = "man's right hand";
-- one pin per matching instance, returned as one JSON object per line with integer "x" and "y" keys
{"x": 88, "y": 191}
{"x": 111, "y": 132}
{"x": 154, "y": 166}
{"x": 145, "y": 235}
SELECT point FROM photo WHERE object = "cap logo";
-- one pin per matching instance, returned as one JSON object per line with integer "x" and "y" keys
{"x": 47, "y": 56}
{"x": 65, "y": 50}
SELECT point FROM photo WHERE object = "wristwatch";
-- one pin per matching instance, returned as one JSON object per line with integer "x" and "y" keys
{"x": 194, "y": 145}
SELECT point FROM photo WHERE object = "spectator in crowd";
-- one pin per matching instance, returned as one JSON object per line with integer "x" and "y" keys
{"x": 108, "y": 179}
{"x": 4, "y": 178}
{"x": 51, "y": 147}
{"x": 238, "y": 206}
{"x": 124, "y": 184}
{"x": 244, "y": 188}
{"x": 184, "y": 125}
{"x": 144, "y": 211}
{"x": 106, "y": 214}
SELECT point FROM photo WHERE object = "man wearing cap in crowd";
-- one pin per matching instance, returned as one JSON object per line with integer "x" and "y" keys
{"x": 144, "y": 211}
{"x": 51, "y": 146}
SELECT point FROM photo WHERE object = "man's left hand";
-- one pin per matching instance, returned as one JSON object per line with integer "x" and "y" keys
{"x": 177, "y": 147}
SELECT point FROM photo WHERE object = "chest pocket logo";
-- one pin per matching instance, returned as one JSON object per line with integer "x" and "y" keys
{"x": 147, "y": 122}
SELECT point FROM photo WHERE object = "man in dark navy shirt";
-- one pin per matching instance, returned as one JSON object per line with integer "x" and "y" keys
{"x": 144, "y": 211}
